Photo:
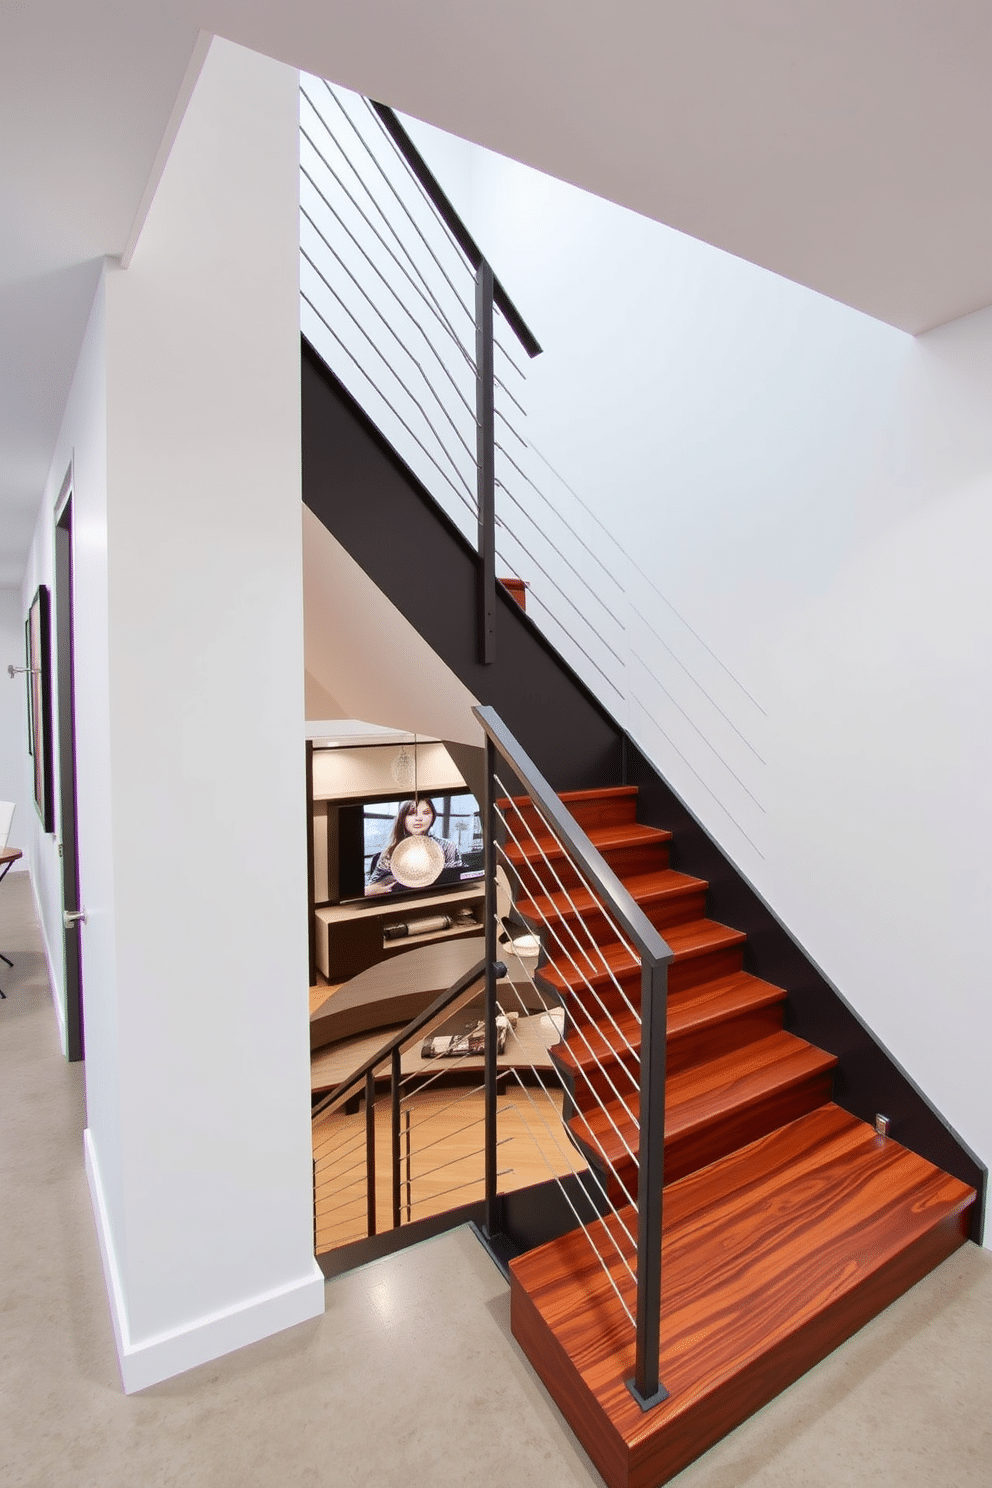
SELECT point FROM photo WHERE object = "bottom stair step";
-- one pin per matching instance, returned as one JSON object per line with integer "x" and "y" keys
{"x": 771, "y": 1258}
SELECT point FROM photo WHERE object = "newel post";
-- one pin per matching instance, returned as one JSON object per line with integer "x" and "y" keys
{"x": 646, "y": 1386}
{"x": 486, "y": 459}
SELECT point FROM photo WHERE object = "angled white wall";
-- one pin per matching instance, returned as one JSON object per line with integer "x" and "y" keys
{"x": 190, "y": 720}
{"x": 365, "y": 658}
{"x": 797, "y": 499}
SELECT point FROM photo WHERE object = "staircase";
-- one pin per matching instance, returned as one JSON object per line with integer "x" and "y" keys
{"x": 788, "y": 1223}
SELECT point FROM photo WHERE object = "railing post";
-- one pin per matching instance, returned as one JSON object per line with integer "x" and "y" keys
{"x": 394, "y": 1106}
{"x": 646, "y": 1387}
{"x": 489, "y": 840}
{"x": 370, "y": 1194}
{"x": 486, "y": 459}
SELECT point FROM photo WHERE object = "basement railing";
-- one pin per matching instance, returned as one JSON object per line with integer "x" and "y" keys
{"x": 435, "y": 1129}
{"x": 401, "y": 1138}
{"x": 347, "y": 1162}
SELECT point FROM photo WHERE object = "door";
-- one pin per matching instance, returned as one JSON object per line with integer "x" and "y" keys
{"x": 65, "y": 685}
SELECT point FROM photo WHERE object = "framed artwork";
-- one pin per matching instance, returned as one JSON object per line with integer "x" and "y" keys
{"x": 38, "y": 640}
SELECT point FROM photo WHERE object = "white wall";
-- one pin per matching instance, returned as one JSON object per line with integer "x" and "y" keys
{"x": 809, "y": 490}
{"x": 14, "y": 781}
{"x": 82, "y": 447}
{"x": 193, "y": 853}
{"x": 366, "y": 656}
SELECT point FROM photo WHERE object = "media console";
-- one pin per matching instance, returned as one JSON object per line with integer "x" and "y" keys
{"x": 350, "y": 937}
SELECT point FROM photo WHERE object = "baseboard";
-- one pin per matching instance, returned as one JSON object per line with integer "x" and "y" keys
{"x": 55, "y": 980}
{"x": 164, "y": 1355}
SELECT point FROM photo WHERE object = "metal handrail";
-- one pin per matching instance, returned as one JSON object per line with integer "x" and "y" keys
{"x": 655, "y": 957}
{"x": 649, "y": 941}
{"x": 454, "y": 223}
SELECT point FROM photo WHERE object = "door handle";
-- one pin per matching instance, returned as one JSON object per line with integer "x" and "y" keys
{"x": 73, "y": 917}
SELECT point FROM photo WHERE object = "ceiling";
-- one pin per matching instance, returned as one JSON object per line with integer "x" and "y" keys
{"x": 847, "y": 147}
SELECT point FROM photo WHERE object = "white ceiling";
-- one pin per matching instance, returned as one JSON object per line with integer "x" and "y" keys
{"x": 847, "y": 146}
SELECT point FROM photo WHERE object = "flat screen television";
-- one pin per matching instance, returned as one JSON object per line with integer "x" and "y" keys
{"x": 370, "y": 830}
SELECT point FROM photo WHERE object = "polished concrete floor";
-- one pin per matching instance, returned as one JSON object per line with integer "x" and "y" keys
{"x": 411, "y": 1379}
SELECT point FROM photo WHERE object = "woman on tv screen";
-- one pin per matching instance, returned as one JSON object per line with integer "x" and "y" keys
{"x": 413, "y": 819}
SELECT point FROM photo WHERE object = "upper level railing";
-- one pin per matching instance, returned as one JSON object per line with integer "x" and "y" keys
{"x": 388, "y": 299}
{"x": 398, "y": 292}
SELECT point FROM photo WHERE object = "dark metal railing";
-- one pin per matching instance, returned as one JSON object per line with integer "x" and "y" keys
{"x": 362, "y": 1084}
{"x": 654, "y": 955}
{"x": 489, "y": 293}
{"x": 347, "y": 173}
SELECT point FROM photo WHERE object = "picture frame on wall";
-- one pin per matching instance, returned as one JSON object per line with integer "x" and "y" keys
{"x": 38, "y": 632}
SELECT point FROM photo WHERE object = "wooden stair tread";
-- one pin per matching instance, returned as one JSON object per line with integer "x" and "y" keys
{"x": 644, "y": 888}
{"x": 694, "y": 938}
{"x": 603, "y": 839}
{"x": 590, "y": 808}
{"x": 697, "y": 1008}
{"x": 788, "y": 1223}
{"x": 771, "y": 1257}
{"x": 706, "y": 1092}
{"x": 571, "y": 798}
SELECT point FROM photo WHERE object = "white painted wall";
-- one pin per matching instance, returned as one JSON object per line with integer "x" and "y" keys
{"x": 364, "y": 654}
{"x": 14, "y": 782}
{"x": 193, "y": 852}
{"x": 82, "y": 447}
{"x": 809, "y": 490}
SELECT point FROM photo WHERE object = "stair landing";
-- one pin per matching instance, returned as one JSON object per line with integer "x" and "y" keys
{"x": 771, "y": 1258}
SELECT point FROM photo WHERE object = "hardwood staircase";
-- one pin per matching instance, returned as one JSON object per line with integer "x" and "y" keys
{"x": 788, "y": 1222}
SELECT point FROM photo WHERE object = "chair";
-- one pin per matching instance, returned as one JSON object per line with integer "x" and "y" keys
{"x": 7, "y": 857}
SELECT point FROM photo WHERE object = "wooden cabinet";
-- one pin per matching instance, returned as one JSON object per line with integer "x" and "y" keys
{"x": 350, "y": 937}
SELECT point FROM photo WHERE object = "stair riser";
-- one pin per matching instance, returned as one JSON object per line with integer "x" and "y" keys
{"x": 588, "y": 1003}
{"x": 714, "y": 1039}
{"x": 614, "y": 1076}
{"x": 596, "y": 811}
{"x": 661, "y": 1453}
{"x": 604, "y": 1000}
{"x": 689, "y": 1152}
{"x": 683, "y": 1052}
{"x": 596, "y": 929}
{"x": 693, "y": 971}
{"x": 558, "y": 873}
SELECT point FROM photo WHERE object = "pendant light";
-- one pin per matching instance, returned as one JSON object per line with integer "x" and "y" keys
{"x": 417, "y": 861}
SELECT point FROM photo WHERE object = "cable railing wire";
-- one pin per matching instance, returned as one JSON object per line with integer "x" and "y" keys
{"x": 389, "y": 404}
{"x": 422, "y": 289}
{"x": 468, "y": 309}
{"x": 625, "y": 1043}
{"x": 533, "y": 1069}
{"x": 598, "y": 1098}
{"x": 624, "y": 941}
{"x": 401, "y": 304}
{"x": 390, "y": 329}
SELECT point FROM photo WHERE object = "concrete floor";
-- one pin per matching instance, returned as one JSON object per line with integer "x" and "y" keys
{"x": 411, "y": 1378}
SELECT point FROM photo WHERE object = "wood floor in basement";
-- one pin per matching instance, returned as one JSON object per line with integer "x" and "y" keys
{"x": 445, "y": 1170}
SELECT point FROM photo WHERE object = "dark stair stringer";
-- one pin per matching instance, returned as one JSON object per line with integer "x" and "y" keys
{"x": 369, "y": 500}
